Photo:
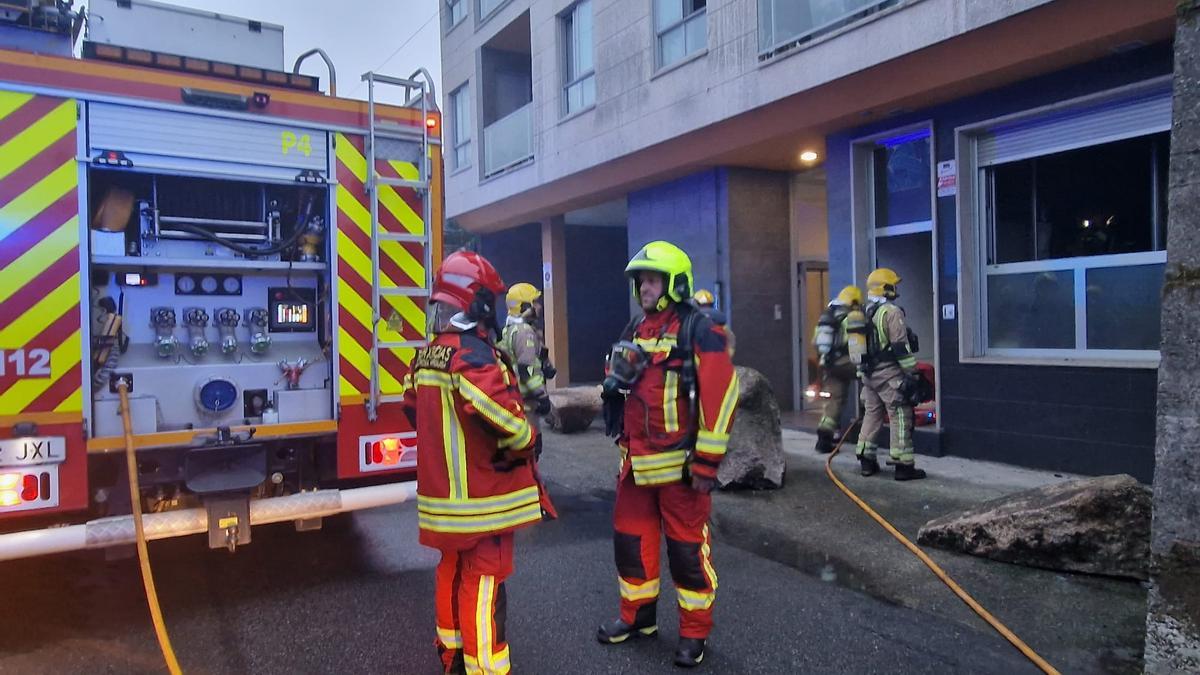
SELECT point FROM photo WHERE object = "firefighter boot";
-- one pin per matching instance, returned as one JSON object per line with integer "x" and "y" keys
{"x": 909, "y": 472}
{"x": 690, "y": 652}
{"x": 870, "y": 465}
{"x": 617, "y": 631}
{"x": 824, "y": 441}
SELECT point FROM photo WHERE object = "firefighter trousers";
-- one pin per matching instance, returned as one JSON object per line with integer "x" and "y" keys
{"x": 640, "y": 517}
{"x": 471, "y": 605}
{"x": 881, "y": 394}
{"x": 837, "y": 380}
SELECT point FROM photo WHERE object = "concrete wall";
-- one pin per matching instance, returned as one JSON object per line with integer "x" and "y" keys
{"x": 598, "y": 301}
{"x": 760, "y": 286}
{"x": 1078, "y": 419}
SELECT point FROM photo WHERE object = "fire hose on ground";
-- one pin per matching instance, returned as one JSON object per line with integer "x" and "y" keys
{"x": 941, "y": 574}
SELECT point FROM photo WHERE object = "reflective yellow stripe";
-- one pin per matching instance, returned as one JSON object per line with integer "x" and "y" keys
{"x": 477, "y": 505}
{"x": 35, "y": 138}
{"x": 658, "y": 476}
{"x": 671, "y": 402}
{"x": 660, "y": 345}
{"x": 520, "y": 441}
{"x": 478, "y": 524}
{"x": 659, "y": 460}
{"x": 728, "y": 405}
{"x": 706, "y": 559}
{"x": 711, "y": 442}
{"x": 434, "y": 378}
{"x": 695, "y": 600}
{"x": 495, "y": 412}
{"x": 646, "y": 590}
{"x": 456, "y": 447}
{"x": 450, "y": 639}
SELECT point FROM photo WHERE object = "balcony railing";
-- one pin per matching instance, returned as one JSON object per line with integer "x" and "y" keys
{"x": 785, "y": 23}
{"x": 508, "y": 141}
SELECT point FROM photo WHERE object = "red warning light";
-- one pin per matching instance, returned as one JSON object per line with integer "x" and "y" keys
{"x": 431, "y": 122}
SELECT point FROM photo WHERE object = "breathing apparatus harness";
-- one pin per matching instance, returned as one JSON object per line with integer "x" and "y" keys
{"x": 914, "y": 387}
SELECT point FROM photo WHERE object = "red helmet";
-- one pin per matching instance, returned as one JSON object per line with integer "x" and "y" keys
{"x": 467, "y": 280}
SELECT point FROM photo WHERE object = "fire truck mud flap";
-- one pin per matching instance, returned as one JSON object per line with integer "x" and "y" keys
{"x": 224, "y": 477}
{"x": 119, "y": 530}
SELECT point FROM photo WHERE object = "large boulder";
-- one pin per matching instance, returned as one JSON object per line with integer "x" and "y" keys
{"x": 755, "y": 456}
{"x": 574, "y": 408}
{"x": 1092, "y": 525}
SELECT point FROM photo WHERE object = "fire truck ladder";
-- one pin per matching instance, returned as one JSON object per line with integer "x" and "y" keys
{"x": 381, "y": 135}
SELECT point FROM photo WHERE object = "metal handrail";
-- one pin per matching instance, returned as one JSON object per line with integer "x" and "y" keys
{"x": 328, "y": 63}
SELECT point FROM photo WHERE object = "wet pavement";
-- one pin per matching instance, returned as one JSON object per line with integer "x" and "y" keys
{"x": 357, "y": 597}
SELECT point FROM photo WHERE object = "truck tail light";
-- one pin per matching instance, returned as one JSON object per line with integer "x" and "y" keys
{"x": 20, "y": 488}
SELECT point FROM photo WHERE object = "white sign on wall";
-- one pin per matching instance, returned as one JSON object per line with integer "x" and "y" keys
{"x": 947, "y": 178}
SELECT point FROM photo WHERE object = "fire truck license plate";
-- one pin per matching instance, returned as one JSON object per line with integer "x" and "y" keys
{"x": 33, "y": 450}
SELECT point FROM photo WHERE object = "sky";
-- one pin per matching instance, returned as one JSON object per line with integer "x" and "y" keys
{"x": 390, "y": 37}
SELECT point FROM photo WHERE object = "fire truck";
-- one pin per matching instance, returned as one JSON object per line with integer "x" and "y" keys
{"x": 210, "y": 261}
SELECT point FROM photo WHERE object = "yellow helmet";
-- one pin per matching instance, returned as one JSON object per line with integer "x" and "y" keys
{"x": 849, "y": 295}
{"x": 670, "y": 261}
{"x": 882, "y": 283}
{"x": 704, "y": 298}
{"x": 520, "y": 297}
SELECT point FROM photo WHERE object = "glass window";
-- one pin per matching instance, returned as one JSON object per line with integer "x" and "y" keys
{"x": 579, "y": 73}
{"x": 1099, "y": 200}
{"x": 1123, "y": 307}
{"x": 457, "y": 11}
{"x": 903, "y": 181}
{"x": 786, "y": 23}
{"x": 460, "y": 108}
{"x": 682, "y": 29}
{"x": 1031, "y": 311}
{"x": 486, "y": 7}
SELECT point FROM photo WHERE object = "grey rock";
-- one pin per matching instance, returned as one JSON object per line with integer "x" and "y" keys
{"x": 754, "y": 459}
{"x": 574, "y": 408}
{"x": 1092, "y": 525}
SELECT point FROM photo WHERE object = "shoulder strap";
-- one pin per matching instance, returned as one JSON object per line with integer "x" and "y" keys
{"x": 631, "y": 328}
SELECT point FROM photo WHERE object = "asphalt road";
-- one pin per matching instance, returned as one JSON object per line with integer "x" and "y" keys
{"x": 357, "y": 597}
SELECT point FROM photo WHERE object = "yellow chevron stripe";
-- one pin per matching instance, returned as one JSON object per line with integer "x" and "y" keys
{"x": 38, "y": 258}
{"x": 361, "y": 263}
{"x": 11, "y": 101}
{"x": 407, "y": 170}
{"x": 40, "y": 135}
{"x": 360, "y": 309}
{"x": 38, "y": 198}
{"x": 345, "y": 388}
{"x": 360, "y": 216}
{"x": 49, "y": 309}
{"x": 63, "y": 360}
{"x": 73, "y": 403}
{"x": 360, "y": 357}
{"x": 349, "y": 155}
{"x": 391, "y": 200}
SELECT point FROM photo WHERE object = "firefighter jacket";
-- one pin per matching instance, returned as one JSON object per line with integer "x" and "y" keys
{"x": 891, "y": 346}
{"x": 474, "y": 477}
{"x": 661, "y": 433}
{"x": 523, "y": 346}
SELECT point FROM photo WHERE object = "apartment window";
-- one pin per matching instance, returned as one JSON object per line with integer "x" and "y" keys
{"x": 456, "y": 11}
{"x": 460, "y": 108}
{"x": 783, "y": 24}
{"x": 579, "y": 72}
{"x": 1070, "y": 228}
{"x": 487, "y": 7}
{"x": 681, "y": 27}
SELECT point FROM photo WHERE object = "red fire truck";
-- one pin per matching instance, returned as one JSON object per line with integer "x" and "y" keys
{"x": 190, "y": 226}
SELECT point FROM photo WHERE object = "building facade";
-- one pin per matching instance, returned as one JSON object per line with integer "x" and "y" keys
{"x": 1007, "y": 158}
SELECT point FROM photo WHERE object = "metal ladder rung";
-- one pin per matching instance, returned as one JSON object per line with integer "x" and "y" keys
{"x": 401, "y": 182}
{"x": 410, "y": 292}
{"x": 407, "y": 344}
{"x": 407, "y": 238}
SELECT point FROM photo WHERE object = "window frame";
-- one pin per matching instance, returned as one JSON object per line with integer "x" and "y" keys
{"x": 466, "y": 11}
{"x": 567, "y": 21}
{"x": 846, "y": 22}
{"x": 660, "y": 31}
{"x": 485, "y": 17}
{"x": 457, "y": 143}
{"x": 974, "y": 232}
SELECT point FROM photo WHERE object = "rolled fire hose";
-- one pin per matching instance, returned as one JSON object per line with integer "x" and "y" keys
{"x": 940, "y": 573}
{"x": 135, "y": 498}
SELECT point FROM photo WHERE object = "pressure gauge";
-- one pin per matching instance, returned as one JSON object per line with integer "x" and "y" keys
{"x": 216, "y": 395}
{"x": 185, "y": 284}
{"x": 232, "y": 285}
{"x": 209, "y": 284}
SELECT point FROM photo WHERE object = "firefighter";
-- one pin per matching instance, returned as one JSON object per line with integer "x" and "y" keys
{"x": 704, "y": 300}
{"x": 670, "y": 396}
{"x": 840, "y": 326}
{"x": 890, "y": 380}
{"x": 524, "y": 347}
{"x": 476, "y": 484}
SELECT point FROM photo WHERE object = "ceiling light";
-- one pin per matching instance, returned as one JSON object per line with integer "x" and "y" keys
{"x": 808, "y": 156}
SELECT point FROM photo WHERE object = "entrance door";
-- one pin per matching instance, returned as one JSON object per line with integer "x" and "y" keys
{"x": 812, "y": 277}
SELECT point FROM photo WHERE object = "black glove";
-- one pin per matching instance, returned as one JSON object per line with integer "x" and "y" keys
{"x": 910, "y": 388}
{"x": 549, "y": 371}
{"x": 542, "y": 406}
{"x": 614, "y": 412}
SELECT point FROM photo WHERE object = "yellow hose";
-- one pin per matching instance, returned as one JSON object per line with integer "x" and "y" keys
{"x": 937, "y": 570}
{"x": 160, "y": 627}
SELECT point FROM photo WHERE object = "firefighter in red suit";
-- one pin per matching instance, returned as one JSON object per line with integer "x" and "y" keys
{"x": 670, "y": 394}
{"x": 476, "y": 484}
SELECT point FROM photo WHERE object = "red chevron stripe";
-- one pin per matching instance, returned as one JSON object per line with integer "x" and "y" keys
{"x": 346, "y": 178}
{"x": 35, "y": 289}
{"x": 363, "y": 290}
{"x": 387, "y": 359}
{"x": 363, "y": 243}
{"x": 28, "y": 235}
{"x": 38, "y": 168}
{"x": 51, "y": 338}
{"x": 357, "y": 380}
{"x": 58, "y": 392}
{"x": 25, "y": 116}
{"x": 409, "y": 195}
